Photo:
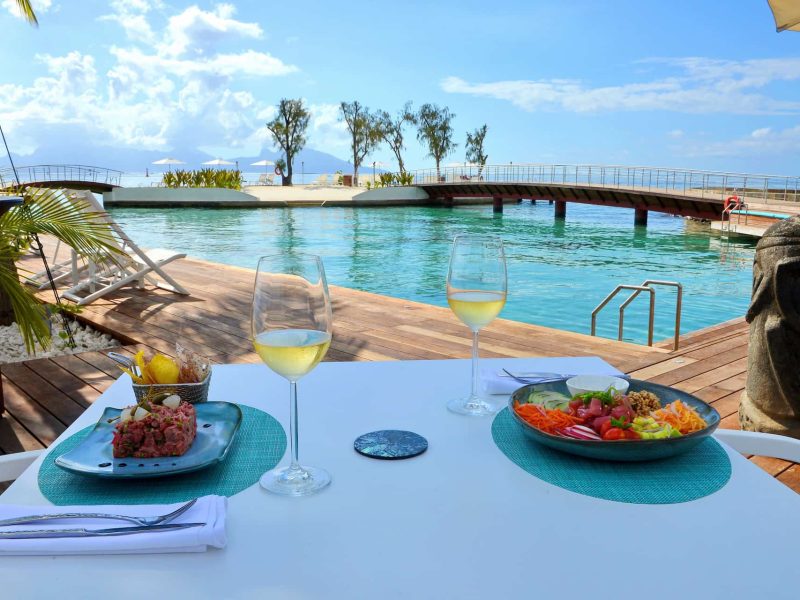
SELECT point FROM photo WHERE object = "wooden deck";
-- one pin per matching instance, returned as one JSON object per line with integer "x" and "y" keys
{"x": 44, "y": 396}
{"x": 753, "y": 226}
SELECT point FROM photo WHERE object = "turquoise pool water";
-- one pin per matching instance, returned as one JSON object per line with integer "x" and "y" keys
{"x": 558, "y": 271}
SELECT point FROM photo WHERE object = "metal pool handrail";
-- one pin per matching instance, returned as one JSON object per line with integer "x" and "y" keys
{"x": 678, "y": 307}
{"x": 637, "y": 289}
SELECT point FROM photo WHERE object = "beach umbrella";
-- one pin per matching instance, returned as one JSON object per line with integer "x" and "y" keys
{"x": 168, "y": 161}
{"x": 262, "y": 163}
{"x": 217, "y": 162}
{"x": 786, "y": 13}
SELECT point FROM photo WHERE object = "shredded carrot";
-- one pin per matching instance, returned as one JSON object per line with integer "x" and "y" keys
{"x": 549, "y": 421}
{"x": 682, "y": 417}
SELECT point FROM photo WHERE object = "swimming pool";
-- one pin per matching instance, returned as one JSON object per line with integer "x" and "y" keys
{"x": 558, "y": 270}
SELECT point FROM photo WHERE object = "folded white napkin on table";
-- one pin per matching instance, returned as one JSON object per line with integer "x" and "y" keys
{"x": 494, "y": 381}
{"x": 208, "y": 509}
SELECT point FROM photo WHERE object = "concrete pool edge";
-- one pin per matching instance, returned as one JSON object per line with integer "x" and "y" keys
{"x": 277, "y": 197}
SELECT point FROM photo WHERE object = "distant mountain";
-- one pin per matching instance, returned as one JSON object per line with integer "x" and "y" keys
{"x": 136, "y": 161}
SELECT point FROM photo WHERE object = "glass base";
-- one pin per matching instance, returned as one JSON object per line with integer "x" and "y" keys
{"x": 473, "y": 407}
{"x": 302, "y": 481}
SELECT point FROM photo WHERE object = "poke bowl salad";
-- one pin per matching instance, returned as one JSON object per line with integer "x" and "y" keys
{"x": 648, "y": 421}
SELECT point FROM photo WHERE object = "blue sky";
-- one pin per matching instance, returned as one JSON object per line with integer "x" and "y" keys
{"x": 707, "y": 85}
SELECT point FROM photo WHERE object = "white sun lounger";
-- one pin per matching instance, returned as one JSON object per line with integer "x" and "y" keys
{"x": 92, "y": 280}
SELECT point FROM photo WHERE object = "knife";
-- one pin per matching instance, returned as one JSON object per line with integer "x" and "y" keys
{"x": 31, "y": 534}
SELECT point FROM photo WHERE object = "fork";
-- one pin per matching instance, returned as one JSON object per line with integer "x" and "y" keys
{"x": 141, "y": 521}
{"x": 126, "y": 362}
{"x": 546, "y": 377}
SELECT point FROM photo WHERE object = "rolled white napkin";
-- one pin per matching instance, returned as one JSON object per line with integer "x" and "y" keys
{"x": 210, "y": 510}
{"x": 494, "y": 381}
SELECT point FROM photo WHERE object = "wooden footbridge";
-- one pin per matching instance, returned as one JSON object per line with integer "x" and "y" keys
{"x": 81, "y": 177}
{"x": 688, "y": 193}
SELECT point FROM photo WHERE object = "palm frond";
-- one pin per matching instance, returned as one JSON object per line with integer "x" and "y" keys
{"x": 70, "y": 220}
{"x": 26, "y": 10}
{"x": 29, "y": 313}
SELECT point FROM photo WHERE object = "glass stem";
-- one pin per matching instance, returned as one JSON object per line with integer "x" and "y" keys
{"x": 293, "y": 426}
{"x": 474, "y": 364}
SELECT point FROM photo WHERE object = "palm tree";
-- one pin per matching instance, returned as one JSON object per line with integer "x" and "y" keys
{"x": 42, "y": 212}
{"x": 45, "y": 212}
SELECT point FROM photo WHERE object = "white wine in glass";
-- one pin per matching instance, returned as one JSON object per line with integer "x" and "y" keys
{"x": 292, "y": 324}
{"x": 476, "y": 293}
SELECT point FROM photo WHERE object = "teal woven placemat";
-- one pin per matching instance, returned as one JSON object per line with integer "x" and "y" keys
{"x": 699, "y": 472}
{"x": 259, "y": 446}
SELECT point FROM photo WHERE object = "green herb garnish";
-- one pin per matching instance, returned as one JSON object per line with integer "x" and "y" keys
{"x": 606, "y": 398}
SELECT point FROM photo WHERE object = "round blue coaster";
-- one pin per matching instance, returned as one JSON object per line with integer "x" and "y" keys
{"x": 258, "y": 447}
{"x": 391, "y": 444}
{"x": 696, "y": 473}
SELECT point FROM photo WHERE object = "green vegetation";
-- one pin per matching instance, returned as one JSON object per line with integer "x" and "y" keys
{"x": 435, "y": 130}
{"x": 288, "y": 130}
{"x": 475, "y": 153}
{"x": 26, "y": 10}
{"x": 364, "y": 132}
{"x": 389, "y": 179}
{"x": 390, "y": 130}
{"x": 204, "y": 178}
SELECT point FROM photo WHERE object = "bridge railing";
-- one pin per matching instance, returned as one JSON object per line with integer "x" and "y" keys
{"x": 45, "y": 173}
{"x": 703, "y": 184}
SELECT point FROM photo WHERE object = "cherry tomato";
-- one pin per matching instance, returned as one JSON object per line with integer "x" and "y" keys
{"x": 614, "y": 433}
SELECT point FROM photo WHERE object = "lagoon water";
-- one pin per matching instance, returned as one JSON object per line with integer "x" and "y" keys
{"x": 558, "y": 271}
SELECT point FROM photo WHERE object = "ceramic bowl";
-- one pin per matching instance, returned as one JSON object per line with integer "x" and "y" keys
{"x": 628, "y": 450}
{"x": 581, "y": 384}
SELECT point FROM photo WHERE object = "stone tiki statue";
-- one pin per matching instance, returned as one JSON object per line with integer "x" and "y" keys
{"x": 771, "y": 400}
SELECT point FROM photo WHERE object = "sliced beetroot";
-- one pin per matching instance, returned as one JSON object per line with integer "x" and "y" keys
{"x": 579, "y": 432}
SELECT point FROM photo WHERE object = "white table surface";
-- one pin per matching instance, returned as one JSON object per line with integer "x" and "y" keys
{"x": 460, "y": 521}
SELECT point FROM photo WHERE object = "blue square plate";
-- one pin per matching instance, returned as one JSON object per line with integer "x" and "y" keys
{"x": 217, "y": 424}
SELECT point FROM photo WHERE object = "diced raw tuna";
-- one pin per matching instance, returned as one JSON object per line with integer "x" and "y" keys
{"x": 164, "y": 432}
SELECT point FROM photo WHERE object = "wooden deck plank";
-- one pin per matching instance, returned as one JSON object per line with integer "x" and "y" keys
{"x": 86, "y": 366}
{"x": 37, "y": 421}
{"x": 15, "y": 438}
{"x": 47, "y": 395}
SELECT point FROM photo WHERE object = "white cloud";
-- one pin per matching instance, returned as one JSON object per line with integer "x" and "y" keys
{"x": 761, "y": 142}
{"x": 703, "y": 85}
{"x": 39, "y": 6}
{"x": 131, "y": 16}
{"x": 761, "y": 133}
{"x": 325, "y": 128}
{"x": 676, "y": 133}
{"x": 199, "y": 31}
{"x": 169, "y": 87}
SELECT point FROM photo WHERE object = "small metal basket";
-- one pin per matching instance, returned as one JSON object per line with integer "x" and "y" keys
{"x": 193, "y": 393}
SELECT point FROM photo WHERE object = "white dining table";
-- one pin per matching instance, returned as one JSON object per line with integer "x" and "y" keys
{"x": 459, "y": 521}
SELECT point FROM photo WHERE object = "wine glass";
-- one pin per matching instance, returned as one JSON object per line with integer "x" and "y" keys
{"x": 476, "y": 293}
{"x": 292, "y": 325}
